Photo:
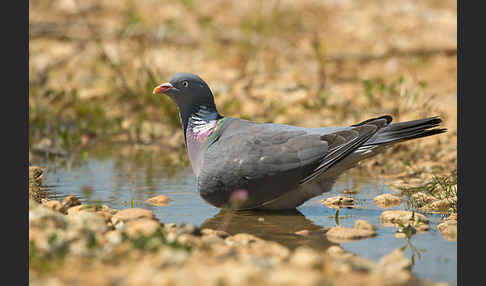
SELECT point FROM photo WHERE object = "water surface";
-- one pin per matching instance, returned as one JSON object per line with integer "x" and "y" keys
{"x": 125, "y": 181}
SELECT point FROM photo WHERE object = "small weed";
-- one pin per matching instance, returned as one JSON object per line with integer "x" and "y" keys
{"x": 336, "y": 217}
{"x": 91, "y": 242}
{"x": 45, "y": 261}
{"x": 132, "y": 16}
{"x": 410, "y": 228}
{"x": 153, "y": 242}
{"x": 95, "y": 206}
{"x": 415, "y": 251}
{"x": 440, "y": 187}
{"x": 377, "y": 88}
{"x": 69, "y": 119}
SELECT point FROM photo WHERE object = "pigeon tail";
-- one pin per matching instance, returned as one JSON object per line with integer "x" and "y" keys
{"x": 402, "y": 131}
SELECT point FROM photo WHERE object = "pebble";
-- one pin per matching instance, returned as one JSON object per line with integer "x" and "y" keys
{"x": 387, "y": 200}
{"x": 212, "y": 239}
{"x": 303, "y": 232}
{"x": 394, "y": 268}
{"x": 348, "y": 191}
{"x": 132, "y": 214}
{"x": 442, "y": 205}
{"x": 452, "y": 216}
{"x": 363, "y": 224}
{"x": 220, "y": 233}
{"x": 91, "y": 208}
{"x": 142, "y": 226}
{"x": 306, "y": 257}
{"x": 160, "y": 200}
{"x": 335, "y": 250}
{"x": 35, "y": 173}
{"x": 400, "y": 235}
{"x": 393, "y": 217}
{"x": 397, "y": 260}
{"x": 338, "y": 202}
{"x": 421, "y": 199}
{"x": 340, "y": 234}
{"x": 70, "y": 201}
{"x": 113, "y": 236}
{"x": 448, "y": 229}
{"x": 87, "y": 221}
{"x": 422, "y": 227}
{"x": 54, "y": 205}
{"x": 242, "y": 238}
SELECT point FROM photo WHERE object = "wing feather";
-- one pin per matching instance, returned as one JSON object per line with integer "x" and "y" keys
{"x": 268, "y": 162}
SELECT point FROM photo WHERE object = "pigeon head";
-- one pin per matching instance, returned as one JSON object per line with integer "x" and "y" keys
{"x": 193, "y": 98}
{"x": 188, "y": 91}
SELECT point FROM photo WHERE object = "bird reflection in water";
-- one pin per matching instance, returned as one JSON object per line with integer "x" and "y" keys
{"x": 278, "y": 226}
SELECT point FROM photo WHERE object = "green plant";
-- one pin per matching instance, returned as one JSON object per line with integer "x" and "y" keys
{"x": 45, "y": 261}
{"x": 410, "y": 228}
{"x": 415, "y": 251}
{"x": 439, "y": 187}
{"x": 153, "y": 242}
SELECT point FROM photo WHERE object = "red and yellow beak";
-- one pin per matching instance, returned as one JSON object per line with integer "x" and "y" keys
{"x": 162, "y": 88}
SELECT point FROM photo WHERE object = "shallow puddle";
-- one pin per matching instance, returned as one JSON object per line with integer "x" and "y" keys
{"x": 123, "y": 182}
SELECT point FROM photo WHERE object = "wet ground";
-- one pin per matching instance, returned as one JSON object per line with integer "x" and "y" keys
{"x": 122, "y": 183}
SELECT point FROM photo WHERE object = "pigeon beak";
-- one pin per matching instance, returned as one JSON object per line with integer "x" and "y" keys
{"x": 162, "y": 88}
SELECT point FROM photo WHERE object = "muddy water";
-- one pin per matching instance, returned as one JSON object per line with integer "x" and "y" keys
{"x": 124, "y": 182}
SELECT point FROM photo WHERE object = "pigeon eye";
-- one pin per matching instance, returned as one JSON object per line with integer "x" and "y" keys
{"x": 185, "y": 83}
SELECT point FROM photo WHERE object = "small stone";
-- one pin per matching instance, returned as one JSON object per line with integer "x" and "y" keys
{"x": 42, "y": 222}
{"x": 105, "y": 215}
{"x": 242, "y": 238}
{"x": 132, "y": 214}
{"x": 91, "y": 208}
{"x": 335, "y": 250}
{"x": 442, "y": 205}
{"x": 306, "y": 257}
{"x": 54, "y": 205}
{"x": 70, "y": 201}
{"x": 87, "y": 221}
{"x": 106, "y": 208}
{"x": 395, "y": 260}
{"x": 33, "y": 204}
{"x": 400, "y": 235}
{"x": 303, "y": 232}
{"x": 188, "y": 229}
{"x": 76, "y": 209}
{"x": 35, "y": 184}
{"x": 212, "y": 239}
{"x": 160, "y": 200}
{"x": 363, "y": 224}
{"x": 113, "y": 236}
{"x": 422, "y": 227}
{"x": 394, "y": 268}
{"x": 184, "y": 238}
{"x": 338, "y": 202}
{"x": 453, "y": 216}
{"x": 35, "y": 173}
{"x": 348, "y": 191}
{"x": 145, "y": 227}
{"x": 448, "y": 229}
{"x": 340, "y": 234}
{"x": 393, "y": 217}
{"x": 219, "y": 233}
{"x": 387, "y": 200}
{"x": 420, "y": 199}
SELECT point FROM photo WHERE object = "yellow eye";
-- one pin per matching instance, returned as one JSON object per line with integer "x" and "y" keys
{"x": 185, "y": 83}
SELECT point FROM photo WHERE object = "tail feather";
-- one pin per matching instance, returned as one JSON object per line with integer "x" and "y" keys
{"x": 397, "y": 132}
